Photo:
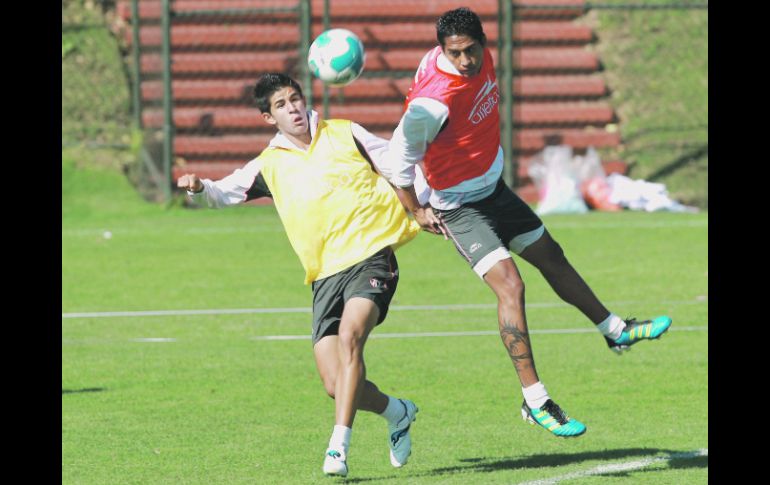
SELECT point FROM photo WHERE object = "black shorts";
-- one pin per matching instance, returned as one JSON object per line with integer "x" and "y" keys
{"x": 374, "y": 278}
{"x": 500, "y": 220}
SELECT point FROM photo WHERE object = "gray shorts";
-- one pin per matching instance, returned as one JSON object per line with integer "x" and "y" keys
{"x": 484, "y": 231}
{"x": 374, "y": 278}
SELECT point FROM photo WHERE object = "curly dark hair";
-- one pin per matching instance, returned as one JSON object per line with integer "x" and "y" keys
{"x": 270, "y": 83}
{"x": 461, "y": 21}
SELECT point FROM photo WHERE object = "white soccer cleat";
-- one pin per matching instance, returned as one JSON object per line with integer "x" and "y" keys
{"x": 335, "y": 463}
{"x": 400, "y": 440}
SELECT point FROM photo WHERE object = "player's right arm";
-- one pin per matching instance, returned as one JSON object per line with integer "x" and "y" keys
{"x": 190, "y": 182}
{"x": 419, "y": 125}
{"x": 374, "y": 149}
{"x": 421, "y": 122}
{"x": 242, "y": 185}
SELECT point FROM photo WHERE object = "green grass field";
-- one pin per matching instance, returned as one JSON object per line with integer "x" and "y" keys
{"x": 215, "y": 402}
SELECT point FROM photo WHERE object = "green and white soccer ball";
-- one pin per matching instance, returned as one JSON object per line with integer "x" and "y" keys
{"x": 336, "y": 57}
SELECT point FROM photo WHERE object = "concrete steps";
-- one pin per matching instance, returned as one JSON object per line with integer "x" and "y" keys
{"x": 558, "y": 87}
{"x": 220, "y": 118}
{"x": 527, "y": 60}
{"x": 246, "y": 146}
{"x": 149, "y": 10}
{"x": 240, "y": 36}
{"x": 234, "y": 91}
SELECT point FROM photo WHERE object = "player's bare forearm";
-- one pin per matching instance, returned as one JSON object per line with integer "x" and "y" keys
{"x": 408, "y": 198}
{"x": 423, "y": 215}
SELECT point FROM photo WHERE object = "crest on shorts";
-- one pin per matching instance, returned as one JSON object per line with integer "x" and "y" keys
{"x": 475, "y": 246}
{"x": 377, "y": 283}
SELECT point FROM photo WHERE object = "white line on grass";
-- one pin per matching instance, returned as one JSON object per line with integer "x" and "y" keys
{"x": 641, "y": 225}
{"x": 621, "y": 467}
{"x": 236, "y": 311}
{"x": 97, "y": 232}
{"x": 479, "y": 333}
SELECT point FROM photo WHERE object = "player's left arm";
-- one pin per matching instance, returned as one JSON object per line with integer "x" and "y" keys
{"x": 371, "y": 148}
{"x": 244, "y": 184}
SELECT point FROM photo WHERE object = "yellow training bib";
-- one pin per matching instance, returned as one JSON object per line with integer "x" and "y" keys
{"x": 336, "y": 210}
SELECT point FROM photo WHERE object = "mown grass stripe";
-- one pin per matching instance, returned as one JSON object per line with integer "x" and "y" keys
{"x": 480, "y": 333}
{"x": 238, "y": 311}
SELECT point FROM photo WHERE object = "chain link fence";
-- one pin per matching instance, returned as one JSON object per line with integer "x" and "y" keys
{"x": 197, "y": 64}
{"x": 628, "y": 79}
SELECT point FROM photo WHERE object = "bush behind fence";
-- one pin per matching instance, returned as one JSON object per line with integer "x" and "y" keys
{"x": 96, "y": 87}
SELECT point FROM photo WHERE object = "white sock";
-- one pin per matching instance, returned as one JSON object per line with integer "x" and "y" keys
{"x": 340, "y": 439}
{"x": 612, "y": 326}
{"x": 536, "y": 395}
{"x": 394, "y": 411}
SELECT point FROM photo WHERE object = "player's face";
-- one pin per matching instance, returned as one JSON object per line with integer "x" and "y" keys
{"x": 465, "y": 53}
{"x": 288, "y": 112}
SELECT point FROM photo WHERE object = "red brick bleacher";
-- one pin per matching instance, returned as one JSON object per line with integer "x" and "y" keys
{"x": 557, "y": 86}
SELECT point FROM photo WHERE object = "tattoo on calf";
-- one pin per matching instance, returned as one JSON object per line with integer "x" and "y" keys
{"x": 517, "y": 343}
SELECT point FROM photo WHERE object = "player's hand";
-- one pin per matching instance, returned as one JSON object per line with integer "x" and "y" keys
{"x": 430, "y": 222}
{"x": 191, "y": 182}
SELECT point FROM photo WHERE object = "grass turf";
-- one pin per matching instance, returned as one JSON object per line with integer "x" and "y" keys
{"x": 218, "y": 405}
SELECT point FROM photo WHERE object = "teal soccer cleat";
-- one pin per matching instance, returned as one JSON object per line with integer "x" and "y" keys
{"x": 636, "y": 331}
{"x": 400, "y": 440}
{"x": 551, "y": 417}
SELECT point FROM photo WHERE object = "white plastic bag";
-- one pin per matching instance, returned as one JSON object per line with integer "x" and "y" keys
{"x": 557, "y": 180}
{"x": 642, "y": 195}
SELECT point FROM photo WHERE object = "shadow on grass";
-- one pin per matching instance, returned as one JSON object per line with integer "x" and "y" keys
{"x": 85, "y": 389}
{"x": 488, "y": 465}
{"x": 691, "y": 156}
{"x": 484, "y": 465}
{"x": 665, "y": 129}
{"x": 695, "y": 462}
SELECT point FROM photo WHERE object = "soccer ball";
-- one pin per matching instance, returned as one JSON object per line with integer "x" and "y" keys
{"x": 336, "y": 57}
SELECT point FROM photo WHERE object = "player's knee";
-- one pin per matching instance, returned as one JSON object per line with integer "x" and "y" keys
{"x": 555, "y": 259}
{"x": 511, "y": 290}
{"x": 557, "y": 255}
{"x": 351, "y": 344}
{"x": 554, "y": 252}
